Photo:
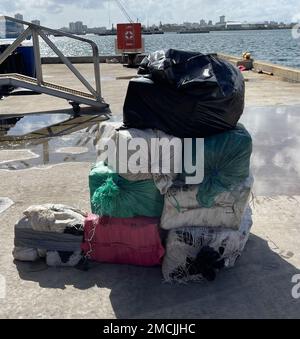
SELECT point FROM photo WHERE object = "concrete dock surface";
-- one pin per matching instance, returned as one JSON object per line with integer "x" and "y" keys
{"x": 56, "y": 171}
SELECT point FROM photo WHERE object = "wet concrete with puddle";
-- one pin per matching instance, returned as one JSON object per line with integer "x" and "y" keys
{"x": 49, "y": 138}
{"x": 276, "y": 139}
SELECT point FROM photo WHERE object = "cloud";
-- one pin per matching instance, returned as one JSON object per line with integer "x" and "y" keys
{"x": 58, "y": 12}
{"x": 8, "y": 6}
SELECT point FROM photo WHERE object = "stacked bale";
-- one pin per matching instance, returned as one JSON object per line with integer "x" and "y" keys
{"x": 179, "y": 95}
{"x": 132, "y": 201}
{"x": 190, "y": 95}
{"x": 210, "y": 223}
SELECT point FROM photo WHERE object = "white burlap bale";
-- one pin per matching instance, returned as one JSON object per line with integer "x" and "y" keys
{"x": 148, "y": 160}
{"x": 185, "y": 244}
{"x": 182, "y": 208}
{"x": 54, "y": 218}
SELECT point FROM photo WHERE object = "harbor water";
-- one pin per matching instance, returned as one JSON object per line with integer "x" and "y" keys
{"x": 276, "y": 46}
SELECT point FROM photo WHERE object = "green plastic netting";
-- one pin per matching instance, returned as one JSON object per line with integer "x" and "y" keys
{"x": 112, "y": 195}
{"x": 227, "y": 163}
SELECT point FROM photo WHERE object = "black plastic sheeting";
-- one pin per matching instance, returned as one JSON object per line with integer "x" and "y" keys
{"x": 185, "y": 94}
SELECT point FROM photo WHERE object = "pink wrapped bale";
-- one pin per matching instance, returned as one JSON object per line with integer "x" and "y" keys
{"x": 132, "y": 241}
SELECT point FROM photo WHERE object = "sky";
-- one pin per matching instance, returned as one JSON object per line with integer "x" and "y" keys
{"x": 95, "y": 13}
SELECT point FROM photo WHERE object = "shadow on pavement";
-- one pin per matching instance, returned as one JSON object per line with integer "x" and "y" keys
{"x": 258, "y": 287}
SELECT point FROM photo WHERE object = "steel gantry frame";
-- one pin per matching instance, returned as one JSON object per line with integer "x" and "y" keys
{"x": 75, "y": 97}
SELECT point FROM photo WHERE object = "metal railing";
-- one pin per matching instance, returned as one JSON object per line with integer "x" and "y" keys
{"x": 36, "y": 32}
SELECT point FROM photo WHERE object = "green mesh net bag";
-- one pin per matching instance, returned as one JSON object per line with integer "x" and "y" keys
{"x": 112, "y": 195}
{"x": 227, "y": 163}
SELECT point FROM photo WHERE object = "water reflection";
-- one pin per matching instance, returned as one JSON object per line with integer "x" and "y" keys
{"x": 276, "y": 137}
{"x": 45, "y": 134}
{"x": 6, "y": 124}
{"x": 30, "y": 123}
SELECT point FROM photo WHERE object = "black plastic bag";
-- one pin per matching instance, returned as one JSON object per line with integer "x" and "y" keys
{"x": 185, "y": 94}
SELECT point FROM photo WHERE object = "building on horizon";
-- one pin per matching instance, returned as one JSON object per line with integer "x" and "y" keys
{"x": 72, "y": 27}
{"x": 222, "y": 19}
{"x": 203, "y": 23}
{"x": 96, "y": 30}
{"x": 234, "y": 25}
{"x": 19, "y": 16}
{"x": 36, "y": 22}
{"x": 19, "y": 27}
{"x": 222, "y": 23}
{"x": 10, "y": 29}
{"x": 77, "y": 28}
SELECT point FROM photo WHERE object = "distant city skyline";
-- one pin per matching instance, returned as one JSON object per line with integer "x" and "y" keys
{"x": 79, "y": 27}
{"x": 95, "y": 13}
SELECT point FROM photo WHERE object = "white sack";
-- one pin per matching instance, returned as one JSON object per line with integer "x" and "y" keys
{"x": 53, "y": 259}
{"x": 187, "y": 243}
{"x": 182, "y": 208}
{"x": 25, "y": 254}
{"x": 54, "y": 218}
{"x": 163, "y": 179}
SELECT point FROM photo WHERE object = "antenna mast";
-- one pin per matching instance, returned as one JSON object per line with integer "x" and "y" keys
{"x": 122, "y": 8}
